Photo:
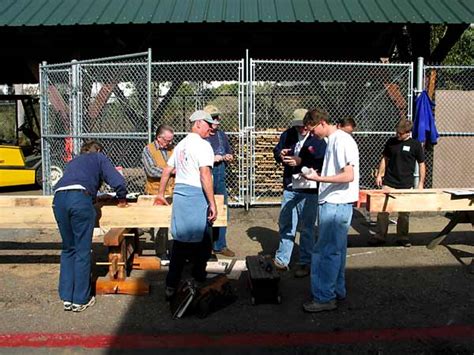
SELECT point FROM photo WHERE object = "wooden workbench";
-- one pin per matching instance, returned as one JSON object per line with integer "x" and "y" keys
{"x": 35, "y": 212}
{"x": 458, "y": 201}
{"x": 122, "y": 239}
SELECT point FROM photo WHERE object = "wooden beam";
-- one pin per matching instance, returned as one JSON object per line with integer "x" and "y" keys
{"x": 115, "y": 236}
{"x": 130, "y": 286}
{"x": 36, "y": 213}
{"x": 25, "y": 201}
{"x": 141, "y": 262}
{"x": 428, "y": 200}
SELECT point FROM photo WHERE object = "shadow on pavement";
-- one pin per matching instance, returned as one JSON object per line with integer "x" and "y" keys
{"x": 397, "y": 307}
{"x": 268, "y": 239}
{"x": 389, "y": 310}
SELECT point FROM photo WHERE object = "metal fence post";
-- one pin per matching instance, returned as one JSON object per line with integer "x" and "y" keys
{"x": 75, "y": 107}
{"x": 245, "y": 139}
{"x": 241, "y": 144}
{"x": 419, "y": 75}
{"x": 43, "y": 119}
{"x": 418, "y": 90}
{"x": 150, "y": 128}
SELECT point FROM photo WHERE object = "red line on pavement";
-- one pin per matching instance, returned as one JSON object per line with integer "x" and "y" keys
{"x": 175, "y": 341}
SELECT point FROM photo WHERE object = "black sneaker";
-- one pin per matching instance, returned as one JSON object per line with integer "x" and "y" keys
{"x": 82, "y": 307}
{"x": 170, "y": 292}
{"x": 404, "y": 243}
{"x": 302, "y": 270}
{"x": 164, "y": 259}
{"x": 314, "y": 307}
{"x": 373, "y": 241}
{"x": 279, "y": 266}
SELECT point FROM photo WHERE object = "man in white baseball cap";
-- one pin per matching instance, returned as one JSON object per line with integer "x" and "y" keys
{"x": 194, "y": 207}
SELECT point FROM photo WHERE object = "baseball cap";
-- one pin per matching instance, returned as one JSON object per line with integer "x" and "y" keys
{"x": 202, "y": 115}
{"x": 298, "y": 116}
{"x": 212, "y": 110}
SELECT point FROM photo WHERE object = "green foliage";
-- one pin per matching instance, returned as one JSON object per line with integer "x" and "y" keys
{"x": 7, "y": 122}
{"x": 462, "y": 52}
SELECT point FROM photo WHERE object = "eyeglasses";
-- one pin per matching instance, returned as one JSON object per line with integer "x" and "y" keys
{"x": 166, "y": 140}
{"x": 310, "y": 128}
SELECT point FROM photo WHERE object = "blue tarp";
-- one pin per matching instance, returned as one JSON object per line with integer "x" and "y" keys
{"x": 424, "y": 127}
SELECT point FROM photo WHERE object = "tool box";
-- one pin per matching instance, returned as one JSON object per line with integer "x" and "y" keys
{"x": 264, "y": 279}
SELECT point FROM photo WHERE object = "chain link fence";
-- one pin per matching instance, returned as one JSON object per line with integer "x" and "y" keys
{"x": 105, "y": 99}
{"x": 121, "y": 101}
{"x": 375, "y": 95}
{"x": 450, "y": 162}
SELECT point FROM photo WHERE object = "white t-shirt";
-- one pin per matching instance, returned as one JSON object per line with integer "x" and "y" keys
{"x": 300, "y": 143}
{"x": 188, "y": 156}
{"x": 341, "y": 150}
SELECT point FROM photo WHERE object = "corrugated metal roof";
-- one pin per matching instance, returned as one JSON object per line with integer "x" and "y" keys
{"x": 101, "y": 12}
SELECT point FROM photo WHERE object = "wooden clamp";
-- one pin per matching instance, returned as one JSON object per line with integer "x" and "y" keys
{"x": 123, "y": 256}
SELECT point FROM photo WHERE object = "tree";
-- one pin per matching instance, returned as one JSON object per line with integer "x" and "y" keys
{"x": 462, "y": 53}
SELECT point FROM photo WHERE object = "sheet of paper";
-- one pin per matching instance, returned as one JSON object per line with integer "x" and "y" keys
{"x": 461, "y": 192}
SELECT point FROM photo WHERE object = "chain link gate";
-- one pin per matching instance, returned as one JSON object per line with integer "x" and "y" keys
{"x": 180, "y": 88}
{"x": 105, "y": 99}
{"x": 450, "y": 162}
{"x": 375, "y": 95}
{"x": 121, "y": 100}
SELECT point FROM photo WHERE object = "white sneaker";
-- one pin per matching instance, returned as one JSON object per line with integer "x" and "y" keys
{"x": 67, "y": 306}
{"x": 83, "y": 307}
{"x": 164, "y": 259}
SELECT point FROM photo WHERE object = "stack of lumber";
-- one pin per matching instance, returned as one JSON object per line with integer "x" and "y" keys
{"x": 268, "y": 173}
{"x": 232, "y": 170}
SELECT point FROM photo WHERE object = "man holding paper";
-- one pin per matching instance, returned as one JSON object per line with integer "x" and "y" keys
{"x": 296, "y": 149}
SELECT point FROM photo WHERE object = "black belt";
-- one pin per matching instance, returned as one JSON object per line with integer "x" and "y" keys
{"x": 85, "y": 192}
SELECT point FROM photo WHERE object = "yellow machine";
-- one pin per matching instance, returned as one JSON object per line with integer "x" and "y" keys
{"x": 16, "y": 170}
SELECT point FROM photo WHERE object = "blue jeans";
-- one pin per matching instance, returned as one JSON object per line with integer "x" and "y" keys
{"x": 329, "y": 254}
{"x": 218, "y": 234}
{"x": 75, "y": 215}
{"x": 297, "y": 208}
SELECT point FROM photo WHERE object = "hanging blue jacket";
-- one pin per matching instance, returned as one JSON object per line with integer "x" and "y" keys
{"x": 424, "y": 127}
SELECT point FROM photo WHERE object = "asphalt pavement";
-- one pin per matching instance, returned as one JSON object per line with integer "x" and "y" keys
{"x": 399, "y": 299}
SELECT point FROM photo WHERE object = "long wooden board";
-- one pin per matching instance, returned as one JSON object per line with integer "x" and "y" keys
{"x": 428, "y": 200}
{"x": 27, "y": 212}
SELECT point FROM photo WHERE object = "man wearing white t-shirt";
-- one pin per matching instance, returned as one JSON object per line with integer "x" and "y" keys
{"x": 338, "y": 190}
{"x": 194, "y": 207}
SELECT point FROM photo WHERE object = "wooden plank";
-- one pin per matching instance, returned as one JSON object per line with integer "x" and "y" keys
{"x": 137, "y": 215}
{"x": 432, "y": 83}
{"x": 114, "y": 236}
{"x": 141, "y": 262}
{"x": 26, "y": 201}
{"x": 130, "y": 286}
{"x": 429, "y": 200}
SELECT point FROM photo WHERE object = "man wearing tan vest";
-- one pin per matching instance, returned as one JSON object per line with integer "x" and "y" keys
{"x": 155, "y": 155}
